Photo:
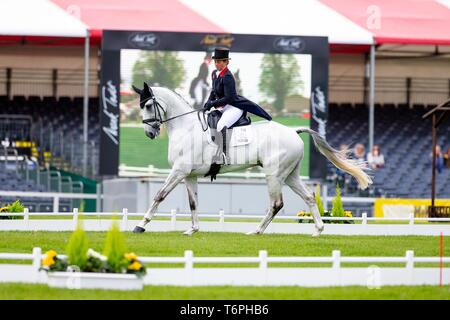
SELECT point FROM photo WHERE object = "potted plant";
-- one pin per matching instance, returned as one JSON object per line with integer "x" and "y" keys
{"x": 84, "y": 268}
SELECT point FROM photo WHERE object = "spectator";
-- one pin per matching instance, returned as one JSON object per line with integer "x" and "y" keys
{"x": 439, "y": 159}
{"x": 360, "y": 153}
{"x": 447, "y": 158}
{"x": 375, "y": 158}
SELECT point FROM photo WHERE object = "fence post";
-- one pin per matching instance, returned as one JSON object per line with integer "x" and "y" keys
{"x": 364, "y": 218}
{"x": 124, "y": 219}
{"x": 222, "y": 219}
{"x": 75, "y": 218}
{"x": 409, "y": 259}
{"x": 336, "y": 266}
{"x": 411, "y": 218}
{"x": 37, "y": 255}
{"x": 336, "y": 259}
{"x": 189, "y": 266}
{"x": 173, "y": 219}
{"x": 55, "y": 204}
{"x": 410, "y": 265}
{"x": 262, "y": 259}
{"x": 263, "y": 266}
{"x": 26, "y": 217}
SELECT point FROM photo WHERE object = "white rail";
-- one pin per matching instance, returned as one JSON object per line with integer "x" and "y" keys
{"x": 55, "y": 195}
{"x": 221, "y": 216}
{"x": 264, "y": 274}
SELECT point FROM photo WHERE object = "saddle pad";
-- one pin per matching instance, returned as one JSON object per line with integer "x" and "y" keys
{"x": 241, "y": 136}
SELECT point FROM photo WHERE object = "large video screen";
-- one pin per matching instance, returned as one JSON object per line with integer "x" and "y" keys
{"x": 279, "y": 83}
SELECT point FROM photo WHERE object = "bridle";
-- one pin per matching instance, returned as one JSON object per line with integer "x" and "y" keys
{"x": 156, "y": 121}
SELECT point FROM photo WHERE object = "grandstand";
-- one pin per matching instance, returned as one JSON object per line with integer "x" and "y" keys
{"x": 48, "y": 130}
{"x": 405, "y": 141}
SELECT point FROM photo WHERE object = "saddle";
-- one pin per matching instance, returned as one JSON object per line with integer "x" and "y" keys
{"x": 213, "y": 119}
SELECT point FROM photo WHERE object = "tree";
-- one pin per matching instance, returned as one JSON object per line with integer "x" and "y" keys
{"x": 280, "y": 77}
{"x": 161, "y": 68}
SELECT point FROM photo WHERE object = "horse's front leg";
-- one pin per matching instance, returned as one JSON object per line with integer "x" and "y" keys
{"x": 191, "y": 186}
{"x": 171, "y": 182}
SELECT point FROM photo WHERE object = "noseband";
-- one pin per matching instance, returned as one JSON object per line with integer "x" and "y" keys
{"x": 157, "y": 119}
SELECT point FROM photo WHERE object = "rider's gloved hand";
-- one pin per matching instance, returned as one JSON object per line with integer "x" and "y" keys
{"x": 208, "y": 105}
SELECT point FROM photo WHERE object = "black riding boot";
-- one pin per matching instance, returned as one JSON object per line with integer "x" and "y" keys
{"x": 221, "y": 140}
{"x": 220, "y": 158}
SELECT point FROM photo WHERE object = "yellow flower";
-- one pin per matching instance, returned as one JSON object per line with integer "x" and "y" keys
{"x": 51, "y": 253}
{"x": 301, "y": 213}
{"x": 49, "y": 258}
{"x": 4, "y": 209}
{"x": 135, "y": 266}
{"x": 348, "y": 214}
{"x": 130, "y": 256}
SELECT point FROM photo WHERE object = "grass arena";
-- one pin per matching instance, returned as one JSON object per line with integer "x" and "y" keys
{"x": 183, "y": 151}
{"x": 235, "y": 245}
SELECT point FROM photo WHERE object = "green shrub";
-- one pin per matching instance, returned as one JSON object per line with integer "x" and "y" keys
{"x": 77, "y": 248}
{"x": 338, "y": 208}
{"x": 115, "y": 249}
{"x": 319, "y": 201}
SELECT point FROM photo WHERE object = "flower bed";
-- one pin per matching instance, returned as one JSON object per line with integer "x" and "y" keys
{"x": 336, "y": 211}
{"x": 84, "y": 268}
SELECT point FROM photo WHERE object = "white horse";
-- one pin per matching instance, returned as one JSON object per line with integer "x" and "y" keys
{"x": 276, "y": 148}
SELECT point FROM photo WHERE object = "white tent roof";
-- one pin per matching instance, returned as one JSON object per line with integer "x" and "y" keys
{"x": 38, "y": 18}
{"x": 287, "y": 17}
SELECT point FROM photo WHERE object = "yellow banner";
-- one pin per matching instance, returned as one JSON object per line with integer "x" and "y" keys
{"x": 402, "y": 208}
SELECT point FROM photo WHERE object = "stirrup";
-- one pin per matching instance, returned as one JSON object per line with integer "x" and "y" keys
{"x": 221, "y": 159}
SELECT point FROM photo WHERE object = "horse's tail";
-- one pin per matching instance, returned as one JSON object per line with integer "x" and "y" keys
{"x": 340, "y": 158}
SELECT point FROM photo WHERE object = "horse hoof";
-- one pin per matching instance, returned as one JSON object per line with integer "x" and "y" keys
{"x": 138, "y": 229}
{"x": 317, "y": 233}
{"x": 190, "y": 232}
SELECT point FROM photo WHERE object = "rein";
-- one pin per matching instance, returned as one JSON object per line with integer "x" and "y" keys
{"x": 158, "y": 118}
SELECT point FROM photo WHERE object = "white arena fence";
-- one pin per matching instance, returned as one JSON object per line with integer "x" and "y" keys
{"x": 56, "y": 196}
{"x": 103, "y": 222}
{"x": 262, "y": 275}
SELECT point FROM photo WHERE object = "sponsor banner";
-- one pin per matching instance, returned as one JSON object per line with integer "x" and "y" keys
{"x": 181, "y": 41}
{"x": 109, "y": 113}
{"x": 403, "y": 208}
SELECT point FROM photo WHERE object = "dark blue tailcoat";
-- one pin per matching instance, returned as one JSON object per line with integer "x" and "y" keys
{"x": 224, "y": 92}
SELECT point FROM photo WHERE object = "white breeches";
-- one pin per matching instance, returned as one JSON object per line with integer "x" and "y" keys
{"x": 230, "y": 115}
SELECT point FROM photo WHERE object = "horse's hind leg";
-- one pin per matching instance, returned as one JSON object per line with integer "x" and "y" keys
{"x": 297, "y": 185}
{"x": 276, "y": 203}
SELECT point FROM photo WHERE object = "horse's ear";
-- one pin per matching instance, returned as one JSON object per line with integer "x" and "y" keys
{"x": 148, "y": 90}
{"x": 137, "y": 90}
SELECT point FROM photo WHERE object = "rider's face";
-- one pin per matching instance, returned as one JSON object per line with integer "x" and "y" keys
{"x": 220, "y": 64}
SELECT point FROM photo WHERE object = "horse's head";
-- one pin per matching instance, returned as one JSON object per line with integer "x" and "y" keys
{"x": 152, "y": 111}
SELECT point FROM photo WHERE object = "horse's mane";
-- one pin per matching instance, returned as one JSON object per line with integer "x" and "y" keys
{"x": 178, "y": 96}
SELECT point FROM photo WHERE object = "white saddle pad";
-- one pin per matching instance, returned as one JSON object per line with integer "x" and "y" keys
{"x": 240, "y": 136}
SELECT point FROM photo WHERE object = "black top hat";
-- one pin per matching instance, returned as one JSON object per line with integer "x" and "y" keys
{"x": 221, "y": 53}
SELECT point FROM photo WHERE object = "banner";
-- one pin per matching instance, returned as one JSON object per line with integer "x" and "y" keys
{"x": 114, "y": 41}
{"x": 403, "y": 208}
